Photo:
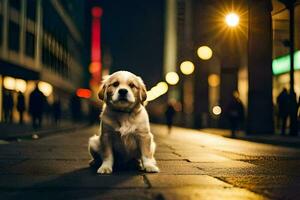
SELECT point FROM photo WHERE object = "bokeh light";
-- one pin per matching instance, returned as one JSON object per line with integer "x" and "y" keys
{"x": 83, "y": 93}
{"x": 158, "y": 90}
{"x": 45, "y": 88}
{"x": 163, "y": 87}
{"x": 9, "y": 83}
{"x": 213, "y": 80}
{"x": 187, "y": 67}
{"x": 232, "y": 19}
{"x": 21, "y": 85}
{"x": 204, "y": 52}
{"x": 172, "y": 78}
{"x": 217, "y": 110}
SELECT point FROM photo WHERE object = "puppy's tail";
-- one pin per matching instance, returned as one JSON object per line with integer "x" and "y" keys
{"x": 94, "y": 143}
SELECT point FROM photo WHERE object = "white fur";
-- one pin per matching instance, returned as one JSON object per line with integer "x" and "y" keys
{"x": 127, "y": 128}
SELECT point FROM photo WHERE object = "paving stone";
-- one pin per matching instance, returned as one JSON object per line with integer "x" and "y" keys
{"x": 178, "y": 167}
{"x": 206, "y": 157}
{"x": 86, "y": 194}
{"x": 230, "y": 168}
{"x": 207, "y": 193}
{"x": 281, "y": 167}
{"x": 160, "y": 180}
{"x": 4, "y": 163}
{"x": 44, "y": 167}
{"x": 167, "y": 156}
{"x": 71, "y": 180}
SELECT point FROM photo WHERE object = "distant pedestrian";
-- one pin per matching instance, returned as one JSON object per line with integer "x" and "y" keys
{"x": 8, "y": 104}
{"x": 36, "y": 107}
{"x": 56, "y": 107}
{"x": 21, "y": 106}
{"x": 235, "y": 113}
{"x": 169, "y": 114}
{"x": 283, "y": 109}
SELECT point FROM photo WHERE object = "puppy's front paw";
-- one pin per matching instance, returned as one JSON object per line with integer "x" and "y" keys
{"x": 104, "y": 169}
{"x": 151, "y": 168}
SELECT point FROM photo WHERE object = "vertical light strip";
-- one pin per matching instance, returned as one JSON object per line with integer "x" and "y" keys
{"x": 1, "y": 97}
{"x": 5, "y": 28}
{"x": 170, "y": 43}
{"x": 39, "y": 33}
{"x": 96, "y": 60}
{"x": 22, "y": 44}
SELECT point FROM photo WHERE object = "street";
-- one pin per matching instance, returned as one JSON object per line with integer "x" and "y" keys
{"x": 193, "y": 165}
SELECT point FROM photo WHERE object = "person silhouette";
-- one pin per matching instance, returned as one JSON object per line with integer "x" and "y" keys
{"x": 283, "y": 109}
{"x": 8, "y": 104}
{"x": 235, "y": 113}
{"x": 36, "y": 107}
{"x": 169, "y": 114}
{"x": 21, "y": 106}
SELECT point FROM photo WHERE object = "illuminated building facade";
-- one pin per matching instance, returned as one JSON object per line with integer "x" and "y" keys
{"x": 42, "y": 40}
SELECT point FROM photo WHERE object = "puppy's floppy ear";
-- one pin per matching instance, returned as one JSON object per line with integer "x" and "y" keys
{"x": 101, "y": 92}
{"x": 142, "y": 90}
{"x": 102, "y": 89}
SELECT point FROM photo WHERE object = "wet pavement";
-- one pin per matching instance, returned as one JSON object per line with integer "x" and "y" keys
{"x": 193, "y": 165}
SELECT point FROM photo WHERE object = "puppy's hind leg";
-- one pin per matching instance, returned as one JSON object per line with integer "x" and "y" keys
{"x": 94, "y": 148}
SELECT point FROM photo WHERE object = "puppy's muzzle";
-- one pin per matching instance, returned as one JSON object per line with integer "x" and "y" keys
{"x": 122, "y": 94}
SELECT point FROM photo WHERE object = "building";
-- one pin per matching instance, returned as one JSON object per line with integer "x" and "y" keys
{"x": 42, "y": 40}
{"x": 239, "y": 60}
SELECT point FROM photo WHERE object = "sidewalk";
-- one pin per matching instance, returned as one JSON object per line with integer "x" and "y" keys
{"x": 289, "y": 141}
{"x": 13, "y": 132}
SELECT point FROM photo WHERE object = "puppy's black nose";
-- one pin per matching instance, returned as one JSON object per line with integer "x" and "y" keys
{"x": 123, "y": 92}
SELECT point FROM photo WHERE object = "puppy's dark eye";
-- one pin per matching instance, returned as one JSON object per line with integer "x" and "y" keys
{"x": 116, "y": 84}
{"x": 131, "y": 85}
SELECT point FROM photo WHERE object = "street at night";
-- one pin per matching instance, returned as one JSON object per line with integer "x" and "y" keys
{"x": 152, "y": 99}
{"x": 194, "y": 165}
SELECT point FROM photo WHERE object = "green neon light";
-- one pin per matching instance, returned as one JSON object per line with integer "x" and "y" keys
{"x": 281, "y": 64}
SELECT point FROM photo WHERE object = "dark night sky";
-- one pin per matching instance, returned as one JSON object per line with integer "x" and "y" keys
{"x": 133, "y": 31}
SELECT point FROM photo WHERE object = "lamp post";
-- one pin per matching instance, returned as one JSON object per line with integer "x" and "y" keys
{"x": 293, "y": 100}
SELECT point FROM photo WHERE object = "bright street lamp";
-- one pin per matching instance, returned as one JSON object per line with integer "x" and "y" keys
{"x": 232, "y": 19}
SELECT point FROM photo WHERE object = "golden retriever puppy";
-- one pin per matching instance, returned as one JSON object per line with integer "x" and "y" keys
{"x": 124, "y": 127}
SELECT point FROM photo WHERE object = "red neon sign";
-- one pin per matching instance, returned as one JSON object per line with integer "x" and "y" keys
{"x": 96, "y": 60}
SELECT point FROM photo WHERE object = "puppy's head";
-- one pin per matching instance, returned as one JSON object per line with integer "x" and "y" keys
{"x": 123, "y": 90}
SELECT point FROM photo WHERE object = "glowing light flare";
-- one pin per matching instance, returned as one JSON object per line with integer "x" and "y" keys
{"x": 45, "y": 88}
{"x": 187, "y": 67}
{"x": 9, "y": 83}
{"x": 94, "y": 67}
{"x": 163, "y": 87}
{"x": 96, "y": 61}
{"x": 232, "y": 19}
{"x": 156, "y": 91}
{"x": 216, "y": 110}
{"x": 83, "y": 93}
{"x": 21, "y": 85}
{"x": 97, "y": 11}
{"x": 282, "y": 65}
{"x": 213, "y": 80}
{"x": 172, "y": 78}
{"x": 204, "y": 52}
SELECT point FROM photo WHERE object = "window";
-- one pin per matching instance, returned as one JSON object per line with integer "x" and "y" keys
{"x": 30, "y": 44}
{"x": 1, "y": 28}
{"x": 13, "y": 36}
{"x": 15, "y": 4}
{"x": 31, "y": 9}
